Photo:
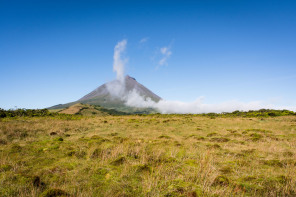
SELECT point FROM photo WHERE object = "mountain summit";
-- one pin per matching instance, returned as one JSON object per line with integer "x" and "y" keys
{"x": 113, "y": 94}
{"x": 130, "y": 84}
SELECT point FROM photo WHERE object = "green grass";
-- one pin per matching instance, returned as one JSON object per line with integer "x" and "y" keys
{"x": 155, "y": 155}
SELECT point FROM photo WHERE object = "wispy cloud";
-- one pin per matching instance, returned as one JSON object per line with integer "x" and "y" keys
{"x": 166, "y": 53}
{"x": 143, "y": 40}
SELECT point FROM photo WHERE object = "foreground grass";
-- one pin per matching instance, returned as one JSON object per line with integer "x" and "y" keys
{"x": 159, "y": 155}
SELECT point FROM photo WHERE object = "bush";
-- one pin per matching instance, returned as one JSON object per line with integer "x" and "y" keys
{"x": 33, "y": 113}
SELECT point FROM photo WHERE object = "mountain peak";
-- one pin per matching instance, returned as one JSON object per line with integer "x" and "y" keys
{"x": 129, "y": 77}
{"x": 113, "y": 94}
{"x": 130, "y": 84}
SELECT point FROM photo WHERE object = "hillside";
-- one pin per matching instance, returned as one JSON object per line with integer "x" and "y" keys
{"x": 89, "y": 110}
{"x": 102, "y": 96}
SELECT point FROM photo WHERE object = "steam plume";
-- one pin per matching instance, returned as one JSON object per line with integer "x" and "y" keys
{"x": 117, "y": 88}
{"x": 119, "y": 63}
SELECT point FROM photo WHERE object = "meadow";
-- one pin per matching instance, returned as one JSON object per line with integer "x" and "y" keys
{"x": 148, "y": 155}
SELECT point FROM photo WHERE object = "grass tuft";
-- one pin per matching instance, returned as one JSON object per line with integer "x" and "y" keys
{"x": 221, "y": 180}
{"x": 54, "y": 193}
{"x": 118, "y": 161}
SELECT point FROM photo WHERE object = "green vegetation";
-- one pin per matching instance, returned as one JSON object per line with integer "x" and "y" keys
{"x": 147, "y": 155}
{"x": 254, "y": 113}
{"x": 76, "y": 110}
{"x": 24, "y": 112}
{"x": 93, "y": 110}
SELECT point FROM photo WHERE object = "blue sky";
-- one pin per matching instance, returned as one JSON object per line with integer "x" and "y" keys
{"x": 55, "y": 52}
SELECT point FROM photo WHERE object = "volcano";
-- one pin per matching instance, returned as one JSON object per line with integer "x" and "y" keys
{"x": 105, "y": 96}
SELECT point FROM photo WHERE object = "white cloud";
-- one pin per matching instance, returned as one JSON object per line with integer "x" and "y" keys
{"x": 143, "y": 40}
{"x": 134, "y": 99}
{"x": 166, "y": 53}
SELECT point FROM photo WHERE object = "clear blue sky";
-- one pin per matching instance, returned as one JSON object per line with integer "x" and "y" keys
{"x": 55, "y": 52}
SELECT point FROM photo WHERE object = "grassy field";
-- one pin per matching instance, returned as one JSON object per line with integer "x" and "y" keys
{"x": 155, "y": 155}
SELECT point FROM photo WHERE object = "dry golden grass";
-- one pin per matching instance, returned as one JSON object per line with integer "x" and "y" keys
{"x": 159, "y": 155}
{"x": 72, "y": 109}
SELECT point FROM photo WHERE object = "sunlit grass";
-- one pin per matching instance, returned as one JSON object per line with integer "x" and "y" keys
{"x": 158, "y": 155}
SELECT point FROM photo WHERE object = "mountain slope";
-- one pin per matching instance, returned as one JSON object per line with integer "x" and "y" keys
{"x": 130, "y": 85}
{"x": 111, "y": 95}
{"x": 89, "y": 110}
